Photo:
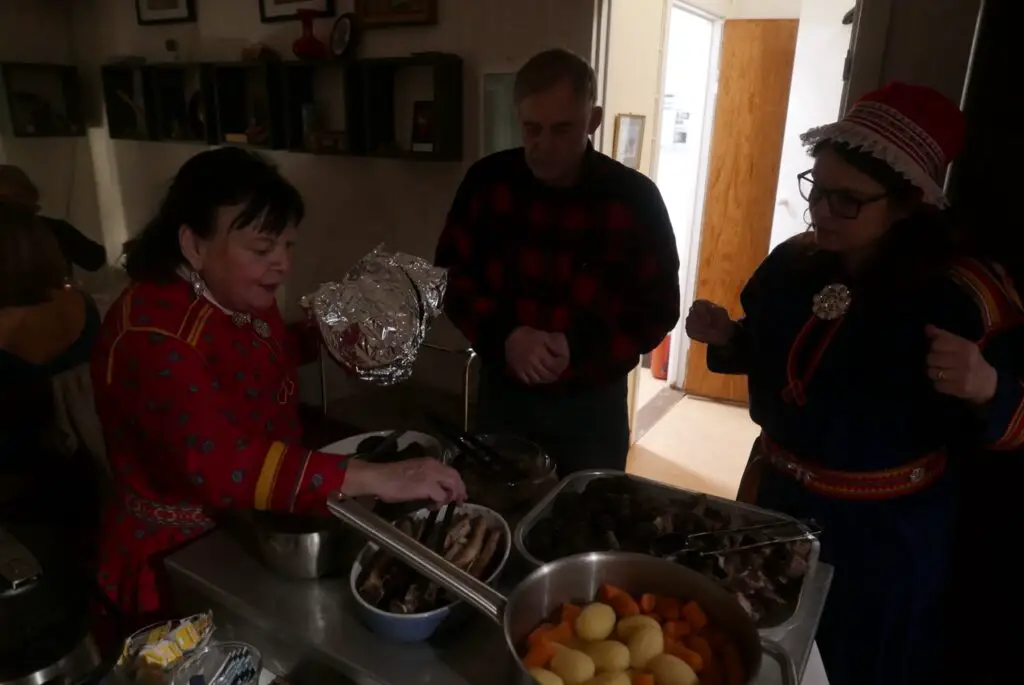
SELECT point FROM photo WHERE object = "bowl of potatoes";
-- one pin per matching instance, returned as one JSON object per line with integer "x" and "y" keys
{"x": 601, "y": 618}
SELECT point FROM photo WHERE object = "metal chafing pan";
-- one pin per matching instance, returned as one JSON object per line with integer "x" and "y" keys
{"x": 577, "y": 482}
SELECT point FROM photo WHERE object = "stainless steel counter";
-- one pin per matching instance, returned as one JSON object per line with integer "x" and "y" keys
{"x": 310, "y": 624}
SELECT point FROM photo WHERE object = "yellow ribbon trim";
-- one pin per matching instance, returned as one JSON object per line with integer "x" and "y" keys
{"x": 268, "y": 474}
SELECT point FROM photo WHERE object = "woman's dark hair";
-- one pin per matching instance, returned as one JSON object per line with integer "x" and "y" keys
{"x": 916, "y": 249}
{"x": 205, "y": 183}
{"x": 31, "y": 263}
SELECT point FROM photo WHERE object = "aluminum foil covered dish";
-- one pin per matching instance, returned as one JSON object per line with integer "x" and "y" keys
{"x": 374, "y": 320}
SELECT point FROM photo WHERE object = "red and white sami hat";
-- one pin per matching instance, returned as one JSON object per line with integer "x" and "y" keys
{"x": 915, "y": 130}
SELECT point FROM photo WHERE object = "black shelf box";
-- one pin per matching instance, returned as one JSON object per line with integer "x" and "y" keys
{"x": 250, "y": 104}
{"x": 40, "y": 100}
{"x": 129, "y": 102}
{"x": 322, "y": 113}
{"x": 184, "y": 102}
{"x": 388, "y": 110}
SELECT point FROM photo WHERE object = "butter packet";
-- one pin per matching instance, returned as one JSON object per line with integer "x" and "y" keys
{"x": 161, "y": 654}
{"x": 160, "y": 645}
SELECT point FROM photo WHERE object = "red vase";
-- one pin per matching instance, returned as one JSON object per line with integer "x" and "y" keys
{"x": 308, "y": 46}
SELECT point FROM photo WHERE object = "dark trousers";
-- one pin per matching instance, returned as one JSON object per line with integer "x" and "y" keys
{"x": 579, "y": 429}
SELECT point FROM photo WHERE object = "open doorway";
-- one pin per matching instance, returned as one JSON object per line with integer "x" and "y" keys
{"x": 689, "y": 83}
{"x": 773, "y": 78}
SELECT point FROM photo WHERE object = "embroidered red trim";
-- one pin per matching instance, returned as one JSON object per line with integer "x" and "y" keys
{"x": 165, "y": 514}
{"x": 856, "y": 485}
{"x": 795, "y": 390}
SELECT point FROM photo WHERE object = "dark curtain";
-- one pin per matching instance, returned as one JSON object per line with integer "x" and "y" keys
{"x": 987, "y": 192}
{"x": 988, "y": 179}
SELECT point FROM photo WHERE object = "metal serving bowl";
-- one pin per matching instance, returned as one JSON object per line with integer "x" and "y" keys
{"x": 418, "y": 627}
{"x": 574, "y": 579}
{"x": 299, "y": 547}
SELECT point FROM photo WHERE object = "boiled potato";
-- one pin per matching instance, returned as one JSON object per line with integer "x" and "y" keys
{"x": 627, "y": 626}
{"x": 595, "y": 622}
{"x": 544, "y": 677}
{"x": 609, "y": 656}
{"x": 573, "y": 667}
{"x": 671, "y": 670}
{"x": 619, "y": 678}
{"x": 644, "y": 645}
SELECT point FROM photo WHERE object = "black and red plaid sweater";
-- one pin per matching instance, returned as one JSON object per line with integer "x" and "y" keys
{"x": 596, "y": 262}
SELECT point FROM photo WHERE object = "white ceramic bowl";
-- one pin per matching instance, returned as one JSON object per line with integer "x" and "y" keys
{"x": 418, "y": 627}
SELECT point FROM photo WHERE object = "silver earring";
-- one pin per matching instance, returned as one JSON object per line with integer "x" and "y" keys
{"x": 198, "y": 286}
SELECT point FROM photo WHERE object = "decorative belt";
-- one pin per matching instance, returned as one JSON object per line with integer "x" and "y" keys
{"x": 856, "y": 485}
{"x": 183, "y": 516}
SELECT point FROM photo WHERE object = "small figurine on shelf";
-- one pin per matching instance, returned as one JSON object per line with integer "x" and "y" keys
{"x": 308, "y": 46}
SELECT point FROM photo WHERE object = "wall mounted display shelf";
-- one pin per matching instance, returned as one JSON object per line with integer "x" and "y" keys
{"x": 395, "y": 107}
{"x": 129, "y": 101}
{"x": 40, "y": 100}
{"x": 184, "y": 97}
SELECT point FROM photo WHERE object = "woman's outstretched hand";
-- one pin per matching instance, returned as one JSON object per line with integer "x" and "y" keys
{"x": 709, "y": 323}
{"x": 404, "y": 481}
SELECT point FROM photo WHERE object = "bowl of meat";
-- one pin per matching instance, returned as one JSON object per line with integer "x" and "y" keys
{"x": 519, "y": 474}
{"x": 397, "y": 603}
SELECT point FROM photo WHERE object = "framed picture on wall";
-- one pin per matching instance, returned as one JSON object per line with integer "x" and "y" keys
{"x": 628, "y": 139}
{"x": 288, "y": 10}
{"x": 164, "y": 11}
{"x": 382, "y": 13}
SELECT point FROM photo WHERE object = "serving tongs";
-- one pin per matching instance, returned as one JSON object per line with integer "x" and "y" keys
{"x": 675, "y": 545}
{"x": 469, "y": 445}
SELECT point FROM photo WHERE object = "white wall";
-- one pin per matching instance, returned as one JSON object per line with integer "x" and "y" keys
{"x": 634, "y": 62}
{"x": 921, "y": 41}
{"x": 814, "y": 99}
{"x": 353, "y": 204}
{"x": 767, "y": 9}
{"x": 748, "y": 9}
{"x": 41, "y": 31}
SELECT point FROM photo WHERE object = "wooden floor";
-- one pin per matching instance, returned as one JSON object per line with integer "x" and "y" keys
{"x": 699, "y": 445}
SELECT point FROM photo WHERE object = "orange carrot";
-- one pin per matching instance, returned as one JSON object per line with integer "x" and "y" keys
{"x": 540, "y": 655}
{"x": 677, "y": 629}
{"x": 701, "y": 646}
{"x": 667, "y": 608}
{"x": 606, "y": 592}
{"x": 570, "y": 612}
{"x": 624, "y": 605}
{"x": 648, "y": 602}
{"x": 562, "y": 634}
{"x": 642, "y": 679}
{"x": 715, "y": 638}
{"x": 732, "y": 665}
{"x": 538, "y": 633}
{"x": 680, "y": 651}
{"x": 694, "y": 615}
{"x": 712, "y": 674}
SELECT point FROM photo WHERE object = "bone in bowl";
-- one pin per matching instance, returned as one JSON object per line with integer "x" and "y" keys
{"x": 390, "y": 597}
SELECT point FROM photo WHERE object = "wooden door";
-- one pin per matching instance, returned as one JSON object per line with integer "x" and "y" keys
{"x": 743, "y": 170}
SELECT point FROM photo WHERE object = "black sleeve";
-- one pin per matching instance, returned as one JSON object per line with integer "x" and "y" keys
{"x": 76, "y": 248}
{"x": 734, "y": 357}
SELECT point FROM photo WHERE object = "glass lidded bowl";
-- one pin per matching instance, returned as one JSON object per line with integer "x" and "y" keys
{"x": 221, "y": 663}
{"x": 531, "y": 474}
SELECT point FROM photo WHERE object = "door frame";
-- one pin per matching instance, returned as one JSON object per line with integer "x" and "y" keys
{"x": 680, "y": 344}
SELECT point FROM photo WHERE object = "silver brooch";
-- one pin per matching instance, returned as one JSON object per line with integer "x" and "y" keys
{"x": 258, "y": 325}
{"x": 832, "y": 302}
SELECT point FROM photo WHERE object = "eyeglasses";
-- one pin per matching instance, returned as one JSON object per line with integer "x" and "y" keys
{"x": 841, "y": 203}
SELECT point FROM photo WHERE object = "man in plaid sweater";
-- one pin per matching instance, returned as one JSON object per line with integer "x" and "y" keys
{"x": 563, "y": 270}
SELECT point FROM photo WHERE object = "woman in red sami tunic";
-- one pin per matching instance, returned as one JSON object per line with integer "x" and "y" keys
{"x": 195, "y": 380}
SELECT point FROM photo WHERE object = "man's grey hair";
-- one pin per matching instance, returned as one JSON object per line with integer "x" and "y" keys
{"x": 547, "y": 69}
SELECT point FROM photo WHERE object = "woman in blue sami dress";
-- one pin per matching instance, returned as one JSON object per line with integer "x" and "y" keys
{"x": 867, "y": 347}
